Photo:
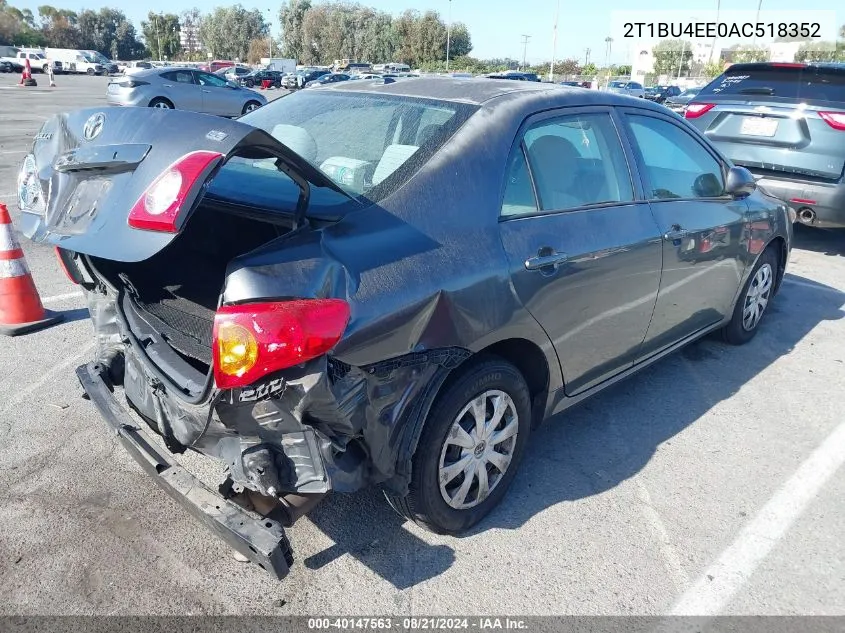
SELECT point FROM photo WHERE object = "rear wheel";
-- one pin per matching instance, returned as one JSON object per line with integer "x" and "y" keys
{"x": 45, "y": 68}
{"x": 91, "y": 72}
{"x": 162, "y": 103}
{"x": 250, "y": 106}
{"x": 250, "y": 83}
{"x": 470, "y": 448}
{"x": 755, "y": 298}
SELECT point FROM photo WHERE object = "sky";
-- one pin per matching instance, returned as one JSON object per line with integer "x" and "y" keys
{"x": 497, "y": 26}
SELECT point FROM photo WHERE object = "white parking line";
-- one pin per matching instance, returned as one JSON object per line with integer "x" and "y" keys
{"x": 724, "y": 578}
{"x": 55, "y": 298}
{"x": 25, "y": 392}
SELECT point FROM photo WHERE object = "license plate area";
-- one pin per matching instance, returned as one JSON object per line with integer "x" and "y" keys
{"x": 758, "y": 126}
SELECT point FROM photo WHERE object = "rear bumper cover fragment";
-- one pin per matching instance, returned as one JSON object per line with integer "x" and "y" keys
{"x": 263, "y": 541}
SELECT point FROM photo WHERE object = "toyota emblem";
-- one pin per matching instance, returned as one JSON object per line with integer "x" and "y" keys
{"x": 93, "y": 126}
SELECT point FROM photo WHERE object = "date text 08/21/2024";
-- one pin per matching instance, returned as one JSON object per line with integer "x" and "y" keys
{"x": 416, "y": 623}
{"x": 722, "y": 29}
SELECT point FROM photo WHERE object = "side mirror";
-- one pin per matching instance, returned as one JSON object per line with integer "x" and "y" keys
{"x": 740, "y": 182}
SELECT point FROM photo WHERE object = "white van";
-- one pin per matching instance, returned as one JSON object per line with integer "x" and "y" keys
{"x": 75, "y": 61}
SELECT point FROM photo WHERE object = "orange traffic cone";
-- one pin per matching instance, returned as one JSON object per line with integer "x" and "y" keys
{"x": 20, "y": 306}
{"x": 26, "y": 75}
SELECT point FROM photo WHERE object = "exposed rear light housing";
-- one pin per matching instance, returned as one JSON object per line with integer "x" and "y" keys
{"x": 836, "y": 120}
{"x": 253, "y": 340}
{"x": 159, "y": 206}
{"x": 695, "y": 110}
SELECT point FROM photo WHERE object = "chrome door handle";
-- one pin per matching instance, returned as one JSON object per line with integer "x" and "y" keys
{"x": 551, "y": 259}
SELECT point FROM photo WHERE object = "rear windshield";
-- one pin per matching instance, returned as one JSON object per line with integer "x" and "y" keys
{"x": 369, "y": 144}
{"x": 811, "y": 83}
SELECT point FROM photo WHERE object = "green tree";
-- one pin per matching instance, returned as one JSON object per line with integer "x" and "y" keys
{"x": 742, "y": 54}
{"x": 712, "y": 69}
{"x": 161, "y": 33}
{"x": 460, "y": 41}
{"x": 227, "y": 31}
{"x": 190, "y": 22}
{"x": 589, "y": 69}
{"x": 59, "y": 27}
{"x": 624, "y": 69}
{"x": 291, "y": 16}
{"x": 821, "y": 52}
{"x": 669, "y": 54}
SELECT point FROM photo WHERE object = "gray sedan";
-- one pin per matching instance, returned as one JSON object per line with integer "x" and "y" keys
{"x": 183, "y": 89}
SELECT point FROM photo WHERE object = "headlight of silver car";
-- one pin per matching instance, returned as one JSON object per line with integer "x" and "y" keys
{"x": 30, "y": 193}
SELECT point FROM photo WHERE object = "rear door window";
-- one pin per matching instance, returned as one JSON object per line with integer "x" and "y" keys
{"x": 815, "y": 83}
{"x": 676, "y": 165}
{"x": 179, "y": 76}
{"x": 575, "y": 161}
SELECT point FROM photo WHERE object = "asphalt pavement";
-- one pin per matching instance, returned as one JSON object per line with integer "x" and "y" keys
{"x": 709, "y": 483}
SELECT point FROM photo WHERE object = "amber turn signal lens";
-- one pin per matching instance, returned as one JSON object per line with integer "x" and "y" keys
{"x": 237, "y": 349}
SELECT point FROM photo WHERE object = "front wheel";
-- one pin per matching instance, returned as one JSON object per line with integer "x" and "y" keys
{"x": 755, "y": 298}
{"x": 250, "y": 106}
{"x": 91, "y": 72}
{"x": 470, "y": 448}
{"x": 250, "y": 83}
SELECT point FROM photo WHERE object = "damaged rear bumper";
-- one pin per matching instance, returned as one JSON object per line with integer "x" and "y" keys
{"x": 261, "y": 540}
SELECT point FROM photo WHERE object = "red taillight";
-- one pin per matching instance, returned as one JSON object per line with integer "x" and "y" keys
{"x": 836, "y": 120}
{"x": 695, "y": 110}
{"x": 802, "y": 200}
{"x": 788, "y": 65}
{"x": 159, "y": 206}
{"x": 256, "y": 339}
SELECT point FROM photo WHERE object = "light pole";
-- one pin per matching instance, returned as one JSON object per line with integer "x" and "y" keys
{"x": 681, "y": 61}
{"x": 716, "y": 38}
{"x": 158, "y": 36}
{"x": 270, "y": 32}
{"x": 448, "y": 35}
{"x": 554, "y": 44}
{"x": 609, "y": 41}
{"x": 759, "y": 6}
{"x": 525, "y": 39}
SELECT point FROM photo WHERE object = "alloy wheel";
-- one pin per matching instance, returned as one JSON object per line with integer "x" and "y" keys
{"x": 478, "y": 449}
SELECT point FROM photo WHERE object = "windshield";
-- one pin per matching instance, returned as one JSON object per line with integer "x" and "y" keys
{"x": 691, "y": 92}
{"x": 617, "y": 84}
{"x": 368, "y": 144}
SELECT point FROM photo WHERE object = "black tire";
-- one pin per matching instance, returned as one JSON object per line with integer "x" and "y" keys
{"x": 91, "y": 72}
{"x": 249, "y": 106}
{"x": 424, "y": 504}
{"x": 161, "y": 102}
{"x": 250, "y": 83}
{"x": 737, "y": 332}
{"x": 45, "y": 68}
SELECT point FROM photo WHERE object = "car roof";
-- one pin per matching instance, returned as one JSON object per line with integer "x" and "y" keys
{"x": 482, "y": 91}
{"x": 157, "y": 70}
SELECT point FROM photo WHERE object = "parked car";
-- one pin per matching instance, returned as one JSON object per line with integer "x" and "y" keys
{"x": 303, "y": 77}
{"x": 786, "y": 124}
{"x": 659, "y": 94}
{"x": 256, "y": 77}
{"x": 630, "y": 88}
{"x": 332, "y": 78}
{"x": 574, "y": 84}
{"x": 679, "y": 103}
{"x": 288, "y": 292}
{"x": 183, "y": 89}
{"x": 516, "y": 76}
{"x": 8, "y": 66}
{"x": 234, "y": 73}
{"x": 133, "y": 67}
